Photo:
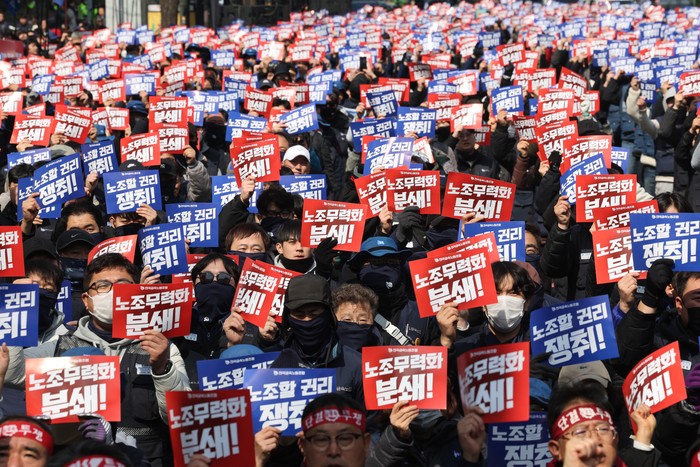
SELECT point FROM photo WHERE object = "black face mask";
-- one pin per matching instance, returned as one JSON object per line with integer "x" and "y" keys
{"x": 356, "y": 335}
{"x": 381, "y": 279}
{"x": 47, "y": 303}
{"x": 214, "y": 300}
{"x": 129, "y": 229}
{"x": 313, "y": 336}
{"x": 328, "y": 114}
{"x": 98, "y": 237}
{"x": 74, "y": 271}
{"x": 242, "y": 257}
{"x": 167, "y": 189}
{"x": 438, "y": 237}
{"x": 442, "y": 133}
{"x": 297, "y": 265}
{"x": 533, "y": 260}
{"x": 271, "y": 224}
{"x": 693, "y": 325}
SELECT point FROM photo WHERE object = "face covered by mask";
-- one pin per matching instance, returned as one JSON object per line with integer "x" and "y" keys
{"x": 693, "y": 325}
{"x": 356, "y": 335}
{"x": 214, "y": 300}
{"x": 533, "y": 260}
{"x": 328, "y": 113}
{"x": 167, "y": 189}
{"x": 313, "y": 335}
{"x": 129, "y": 229}
{"x": 102, "y": 307}
{"x": 74, "y": 271}
{"x": 505, "y": 315}
{"x": 271, "y": 225}
{"x": 442, "y": 133}
{"x": 244, "y": 256}
{"x": 425, "y": 421}
{"x": 47, "y": 303}
{"x": 438, "y": 237}
{"x": 98, "y": 237}
{"x": 380, "y": 278}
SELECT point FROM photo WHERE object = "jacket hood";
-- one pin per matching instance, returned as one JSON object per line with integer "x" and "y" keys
{"x": 670, "y": 93}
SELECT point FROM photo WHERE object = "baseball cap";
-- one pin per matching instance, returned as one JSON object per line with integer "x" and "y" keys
{"x": 167, "y": 167}
{"x": 574, "y": 374}
{"x": 60, "y": 150}
{"x": 540, "y": 392}
{"x": 72, "y": 236}
{"x": 137, "y": 106}
{"x": 240, "y": 350}
{"x": 36, "y": 244}
{"x": 305, "y": 290}
{"x": 131, "y": 165}
{"x": 296, "y": 151}
{"x": 377, "y": 246}
{"x": 82, "y": 351}
{"x": 266, "y": 83}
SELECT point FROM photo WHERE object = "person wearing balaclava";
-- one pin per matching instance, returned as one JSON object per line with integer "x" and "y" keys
{"x": 295, "y": 257}
{"x": 309, "y": 329}
{"x": 379, "y": 266}
{"x": 215, "y": 278}
{"x": 355, "y": 306}
{"x": 73, "y": 247}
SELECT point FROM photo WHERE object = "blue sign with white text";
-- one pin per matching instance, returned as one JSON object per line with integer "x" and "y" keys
{"x": 670, "y": 236}
{"x": 510, "y": 237}
{"x": 200, "y": 222}
{"x": 126, "y": 191}
{"x": 227, "y": 373}
{"x": 19, "y": 314}
{"x": 163, "y": 248}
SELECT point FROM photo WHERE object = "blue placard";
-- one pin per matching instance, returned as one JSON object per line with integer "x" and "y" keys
{"x": 28, "y": 157}
{"x": 648, "y": 90}
{"x": 41, "y": 84}
{"x": 64, "y": 304}
{"x": 532, "y": 103}
{"x": 279, "y": 396}
{"x": 319, "y": 91}
{"x": 620, "y": 156}
{"x": 671, "y": 236}
{"x": 575, "y": 332}
{"x": 99, "y": 70}
{"x": 59, "y": 181}
{"x": 670, "y": 75}
{"x": 519, "y": 443}
{"x": 126, "y": 191}
{"x": 135, "y": 83}
{"x": 510, "y": 237}
{"x": 686, "y": 47}
{"x": 143, "y": 60}
{"x": 126, "y": 36}
{"x": 144, "y": 37}
{"x": 644, "y": 71}
{"x": 509, "y": 98}
{"x": 25, "y": 187}
{"x": 370, "y": 127}
{"x": 441, "y": 74}
{"x": 228, "y": 373}
{"x": 594, "y": 165}
{"x": 487, "y": 83}
{"x": 163, "y": 248}
{"x": 600, "y": 58}
{"x": 626, "y": 64}
{"x": 182, "y": 36}
{"x": 235, "y": 86}
{"x": 330, "y": 76}
{"x": 238, "y": 122}
{"x": 418, "y": 120}
{"x": 308, "y": 186}
{"x": 200, "y": 222}
{"x": 441, "y": 87}
{"x": 99, "y": 157}
{"x": 223, "y": 58}
{"x": 225, "y": 188}
{"x": 301, "y": 119}
{"x": 383, "y": 103}
{"x": 388, "y": 153}
{"x": 489, "y": 40}
{"x": 19, "y": 314}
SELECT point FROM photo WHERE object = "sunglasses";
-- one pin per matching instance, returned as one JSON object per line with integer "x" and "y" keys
{"x": 222, "y": 278}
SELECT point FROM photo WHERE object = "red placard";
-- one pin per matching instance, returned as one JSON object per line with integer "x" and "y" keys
{"x": 192, "y": 260}
{"x": 444, "y": 103}
{"x": 690, "y": 84}
{"x": 400, "y": 86}
{"x": 594, "y": 99}
{"x": 467, "y": 84}
{"x": 419, "y": 188}
{"x": 257, "y": 101}
{"x": 487, "y": 240}
{"x": 614, "y": 217}
{"x": 72, "y": 124}
{"x": 366, "y": 139}
{"x": 166, "y": 308}
{"x": 583, "y": 147}
{"x": 468, "y": 116}
{"x": 465, "y": 278}
{"x": 485, "y": 196}
{"x": 365, "y": 88}
{"x": 217, "y": 424}
{"x": 37, "y": 130}
{"x": 113, "y": 88}
{"x": 256, "y": 291}
{"x": 542, "y": 78}
{"x": 38, "y": 110}
{"x": 555, "y": 100}
{"x": 371, "y": 189}
{"x": 601, "y": 191}
{"x": 144, "y": 148}
{"x": 525, "y": 128}
{"x": 656, "y": 381}
{"x": 11, "y": 102}
{"x": 417, "y": 374}
{"x": 511, "y": 53}
{"x": 165, "y": 109}
{"x": 497, "y": 379}
{"x": 117, "y": 118}
{"x": 173, "y": 138}
{"x": 125, "y": 246}
{"x": 483, "y": 136}
{"x": 272, "y": 49}
{"x": 570, "y": 80}
{"x": 301, "y": 97}
{"x": 11, "y": 252}
{"x": 65, "y": 387}
{"x": 613, "y": 255}
{"x": 551, "y": 137}
{"x": 278, "y": 302}
{"x": 420, "y": 71}
{"x": 343, "y": 221}
{"x": 258, "y": 159}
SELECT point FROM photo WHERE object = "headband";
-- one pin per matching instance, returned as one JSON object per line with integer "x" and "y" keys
{"x": 695, "y": 462}
{"x": 580, "y": 414}
{"x": 335, "y": 415}
{"x": 27, "y": 430}
{"x": 96, "y": 461}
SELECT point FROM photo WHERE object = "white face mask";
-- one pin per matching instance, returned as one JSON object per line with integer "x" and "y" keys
{"x": 102, "y": 306}
{"x": 505, "y": 315}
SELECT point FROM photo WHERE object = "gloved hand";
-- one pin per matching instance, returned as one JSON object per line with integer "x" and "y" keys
{"x": 542, "y": 371}
{"x": 692, "y": 387}
{"x": 324, "y": 256}
{"x": 554, "y": 160}
{"x": 409, "y": 219}
{"x": 96, "y": 428}
{"x": 659, "y": 276}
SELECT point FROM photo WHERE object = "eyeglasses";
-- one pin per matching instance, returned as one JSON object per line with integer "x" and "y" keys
{"x": 605, "y": 433}
{"x": 467, "y": 134}
{"x": 103, "y": 287}
{"x": 346, "y": 441}
{"x": 282, "y": 214}
{"x": 381, "y": 260}
{"x": 222, "y": 278}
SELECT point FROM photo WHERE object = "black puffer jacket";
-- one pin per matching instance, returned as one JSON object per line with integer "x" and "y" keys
{"x": 566, "y": 254}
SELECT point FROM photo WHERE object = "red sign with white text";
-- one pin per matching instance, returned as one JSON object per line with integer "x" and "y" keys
{"x": 602, "y": 191}
{"x": 72, "y": 124}
{"x": 484, "y": 196}
{"x": 125, "y": 246}
{"x": 278, "y": 303}
{"x": 612, "y": 250}
{"x": 165, "y": 109}
{"x": 419, "y": 188}
{"x": 615, "y": 217}
{"x": 258, "y": 159}
{"x": 583, "y": 147}
{"x": 343, "y": 221}
{"x": 144, "y": 148}
{"x": 256, "y": 291}
{"x": 444, "y": 103}
{"x": 420, "y": 71}
{"x": 551, "y": 137}
{"x": 117, "y": 118}
{"x": 467, "y": 116}
{"x": 371, "y": 190}
{"x": 37, "y": 130}
{"x": 257, "y": 101}
{"x": 11, "y": 252}
{"x": 487, "y": 240}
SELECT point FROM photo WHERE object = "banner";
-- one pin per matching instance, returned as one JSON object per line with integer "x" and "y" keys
{"x": 11, "y": 252}
{"x": 387, "y": 153}
{"x": 419, "y": 188}
{"x": 371, "y": 189}
{"x": 200, "y": 222}
{"x": 125, "y": 246}
{"x": 465, "y": 278}
{"x": 59, "y": 181}
{"x": 510, "y": 237}
{"x": 417, "y": 374}
{"x": 255, "y": 292}
{"x": 497, "y": 379}
{"x": 163, "y": 248}
{"x": 144, "y": 148}
{"x": 418, "y": 120}
{"x": 19, "y": 313}
{"x": 258, "y": 159}
{"x": 216, "y": 424}
{"x": 64, "y": 387}
{"x": 99, "y": 157}
{"x": 228, "y": 373}
{"x": 126, "y": 191}
{"x": 575, "y": 332}
{"x": 614, "y": 217}
{"x": 166, "y": 308}
{"x": 484, "y": 196}
{"x": 601, "y": 191}
{"x": 670, "y": 236}
{"x": 343, "y": 221}
{"x": 516, "y": 444}
{"x": 278, "y": 397}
